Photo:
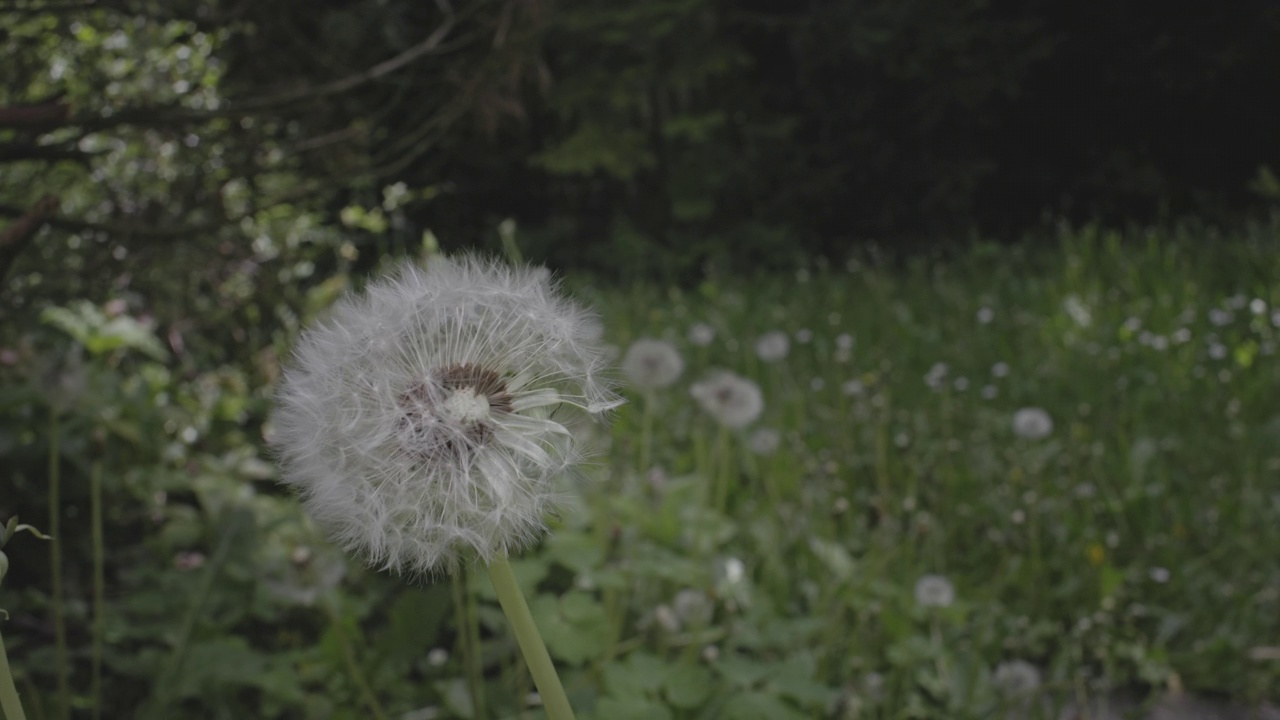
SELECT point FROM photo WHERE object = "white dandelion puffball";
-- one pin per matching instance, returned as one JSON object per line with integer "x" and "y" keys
{"x": 773, "y": 346}
{"x": 934, "y": 591}
{"x": 424, "y": 422}
{"x": 652, "y": 364}
{"x": 1032, "y": 423}
{"x": 1014, "y": 678}
{"x": 701, "y": 334}
{"x": 765, "y": 441}
{"x": 731, "y": 399}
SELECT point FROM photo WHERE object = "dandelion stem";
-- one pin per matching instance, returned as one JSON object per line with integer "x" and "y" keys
{"x": 99, "y": 582}
{"x": 646, "y": 432}
{"x": 534, "y": 650}
{"x": 55, "y": 570}
{"x": 469, "y": 642}
{"x": 9, "y": 701}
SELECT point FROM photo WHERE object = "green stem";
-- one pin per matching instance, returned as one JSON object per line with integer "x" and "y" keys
{"x": 99, "y": 582}
{"x": 723, "y": 471}
{"x": 349, "y": 657}
{"x": 646, "y": 432}
{"x": 535, "y": 654}
{"x": 9, "y": 701}
{"x": 55, "y": 570}
{"x": 165, "y": 682}
{"x": 468, "y": 643}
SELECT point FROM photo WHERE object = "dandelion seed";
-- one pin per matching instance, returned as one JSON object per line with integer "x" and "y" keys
{"x": 437, "y": 657}
{"x": 652, "y": 364}
{"x": 1160, "y": 575}
{"x": 731, "y": 399}
{"x": 852, "y": 388}
{"x": 1000, "y": 369}
{"x": 990, "y": 391}
{"x": 934, "y": 591}
{"x": 773, "y": 346}
{"x": 986, "y": 315}
{"x": 1032, "y": 423}
{"x": 844, "y": 341}
{"x": 1220, "y": 317}
{"x": 1016, "y": 678}
{"x": 425, "y": 421}
{"x": 804, "y": 336}
{"x": 1217, "y": 351}
{"x": 701, "y": 334}
{"x": 1257, "y": 306}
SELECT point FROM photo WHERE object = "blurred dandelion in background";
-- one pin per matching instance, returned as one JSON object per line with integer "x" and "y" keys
{"x": 652, "y": 364}
{"x": 934, "y": 591}
{"x": 731, "y": 399}
{"x": 1016, "y": 678}
{"x": 765, "y": 441}
{"x": 701, "y": 334}
{"x": 773, "y": 346}
{"x": 1032, "y": 423}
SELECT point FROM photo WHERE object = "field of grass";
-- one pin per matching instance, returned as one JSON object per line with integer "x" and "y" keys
{"x": 1134, "y": 544}
{"x": 977, "y": 487}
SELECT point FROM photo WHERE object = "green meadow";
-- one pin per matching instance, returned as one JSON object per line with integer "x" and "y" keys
{"x": 1008, "y": 481}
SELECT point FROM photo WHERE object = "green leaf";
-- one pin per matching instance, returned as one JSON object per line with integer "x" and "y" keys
{"x": 760, "y": 706}
{"x": 574, "y": 627}
{"x": 688, "y": 686}
{"x": 639, "y": 675}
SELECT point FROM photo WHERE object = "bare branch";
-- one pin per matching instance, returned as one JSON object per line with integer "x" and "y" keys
{"x": 17, "y": 235}
{"x": 39, "y": 116}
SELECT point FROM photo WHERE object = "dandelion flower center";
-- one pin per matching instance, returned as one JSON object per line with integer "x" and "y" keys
{"x": 451, "y": 410}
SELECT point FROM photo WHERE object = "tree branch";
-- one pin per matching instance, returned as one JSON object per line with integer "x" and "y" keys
{"x": 17, "y": 235}
{"x": 40, "y": 116}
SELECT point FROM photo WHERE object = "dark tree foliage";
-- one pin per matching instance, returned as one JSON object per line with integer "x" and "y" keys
{"x": 660, "y": 134}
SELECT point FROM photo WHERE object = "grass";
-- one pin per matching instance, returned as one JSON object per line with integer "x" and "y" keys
{"x": 1132, "y": 547}
{"x": 701, "y": 573}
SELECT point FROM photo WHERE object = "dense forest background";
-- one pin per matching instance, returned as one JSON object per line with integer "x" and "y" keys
{"x": 652, "y": 136}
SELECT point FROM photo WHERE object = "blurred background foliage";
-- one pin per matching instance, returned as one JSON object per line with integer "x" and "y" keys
{"x": 185, "y": 183}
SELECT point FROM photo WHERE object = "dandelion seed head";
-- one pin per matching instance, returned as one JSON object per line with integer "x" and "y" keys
{"x": 934, "y": 591}
{"x": 701, "y": 334}
{"x": 652, "y": 364}
{"x": 1032, "y": 423}
{"x": 425, "y": 421}
{"x": 731, "y": 399}
{"x": 765, "y": 441}
{"x": 1015, "y": 678}
{"x": 773, "y": 346}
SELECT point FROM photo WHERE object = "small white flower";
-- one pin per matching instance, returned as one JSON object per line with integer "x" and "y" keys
{"x": 731, "y": 399}
{"x": 1016, "y": 678}
{"x": 424, "y": 422}
{"x": 773, "y": 346}
{"x": 986, "y": 315}
{"x": 765, "y": 441}
{"x": 652, "y": 364}
{"x": 701, "y": 334}
{"x": 1032, "y": 423}
{"x": 934, "y": 591}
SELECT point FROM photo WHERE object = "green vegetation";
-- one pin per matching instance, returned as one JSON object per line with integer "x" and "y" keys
{"x": 734, "y": 573}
